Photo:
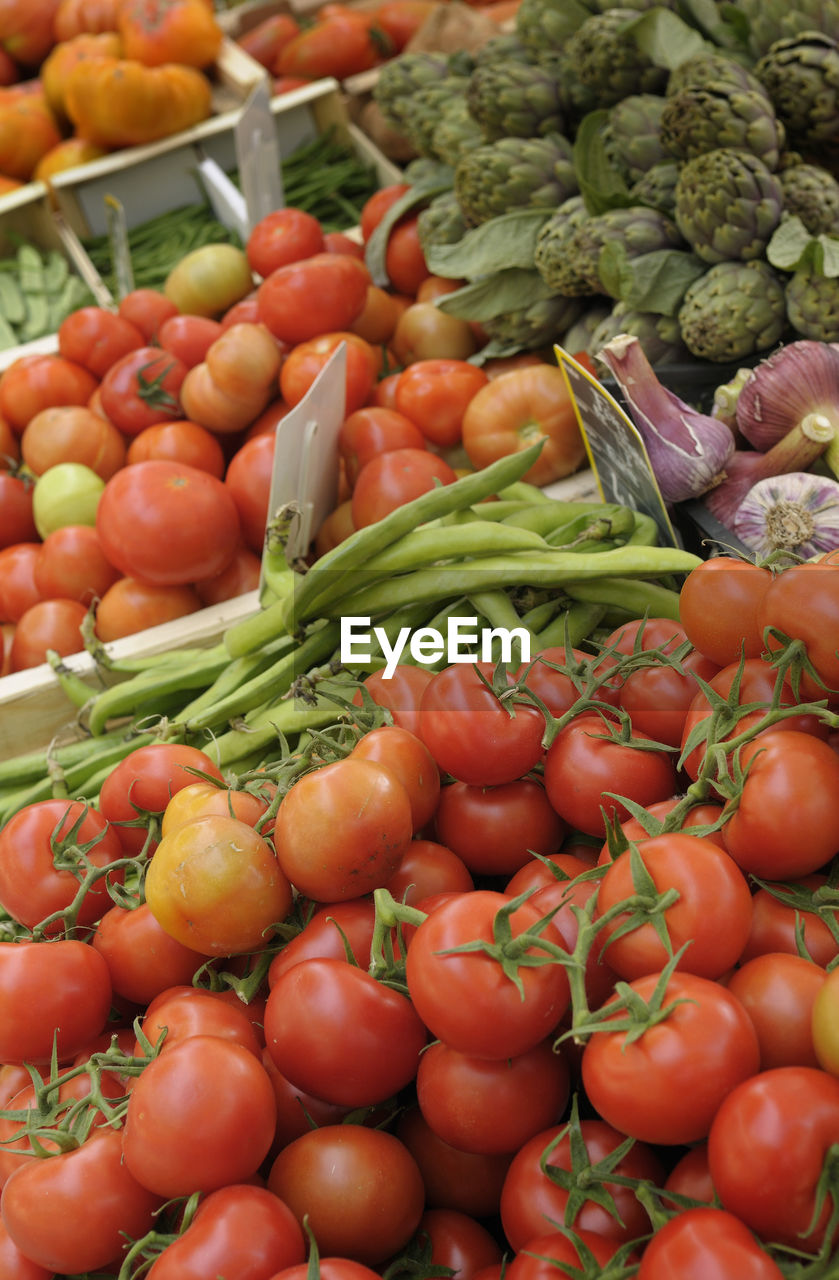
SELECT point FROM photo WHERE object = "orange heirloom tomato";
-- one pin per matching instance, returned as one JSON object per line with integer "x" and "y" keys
{"x": 28, "y": 130}
{"x": 26, "y": 31}
{"x": 165, "y": 31}
{"x": 202, "y": 799}
{"x": 216, "y": 886}
{"x": 67, "y": 55}
{"x": 75, "y": 16}
{"x": 119, "y": 102}
{"x": 514, "y": 411}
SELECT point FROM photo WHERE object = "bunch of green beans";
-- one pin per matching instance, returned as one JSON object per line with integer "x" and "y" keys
{"x": 552, "y": 571}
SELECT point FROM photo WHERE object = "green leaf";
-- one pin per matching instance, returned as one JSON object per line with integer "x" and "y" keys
{"x": 496, "y": 349}
{"x": 601, "y": 186}
{"x": 737, "y": 22}
{"x": 414, "y": 197}
{"x": 506, "y": 241}
{"x": 665, "y": 38}
{"x": 794, "y": 248}
{"x": 496, "y": 294}
{"x": 654, "y": 282}
{"x": 566, "y": 17}
{"x": 728, "y": 31}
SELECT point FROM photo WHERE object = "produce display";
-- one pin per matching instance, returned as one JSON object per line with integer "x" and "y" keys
{"x": 661, "y": 170}
{"x": 457, "y": 899}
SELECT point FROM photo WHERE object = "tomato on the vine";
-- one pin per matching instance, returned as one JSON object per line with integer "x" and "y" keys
{"x": 718, "y": 608}
{"x": 142, "y": 389}
{"x": 700, "y": 1242}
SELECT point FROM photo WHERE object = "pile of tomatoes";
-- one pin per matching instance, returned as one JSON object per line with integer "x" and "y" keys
{"x": 537, "y": 974}
{"x": 138, "y": 457}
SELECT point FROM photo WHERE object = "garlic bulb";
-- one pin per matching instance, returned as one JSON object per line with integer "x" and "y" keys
{"x": 688, "y": 450}
{"x": 797, "y": 382}
{"x": 797, "y": 512}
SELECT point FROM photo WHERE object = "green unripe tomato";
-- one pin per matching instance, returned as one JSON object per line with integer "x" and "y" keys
{"x": 209, "y": 280}
{"x": 67, "y": 493}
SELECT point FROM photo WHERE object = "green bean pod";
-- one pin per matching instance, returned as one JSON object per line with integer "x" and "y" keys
{"x": 571, "y": 625}
{"x": 127, "y": 697}
{"x": 636, "y": 597}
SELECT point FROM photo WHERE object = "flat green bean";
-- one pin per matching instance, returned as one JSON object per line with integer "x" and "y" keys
{"x": 638, "y": 597}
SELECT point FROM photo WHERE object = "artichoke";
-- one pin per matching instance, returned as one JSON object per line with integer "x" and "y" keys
{"x": 728, "y": 203}
{"x": 638, "y": 229}
{"x": 455, "y": 132}
{"x": 632, "y": 135}
{"x": 578, "y": 336}
{"x": 813, "y": 305}
{"x": 547, "y": 24}
{"x": 400, "y": 78}
{"x": 427, "y": 104}
{"x": 514, "y": 100}
{"x": 553, "y": 258}
{"x": 659, "y": 336}
{"x": 608, "y": 61}
{"x": 734, "y": 310}
{"x": 657, "y": 187}
{"x": 801, "y": 76}
{"x": 514, "y": 173}
{"x": 712, "y": 67}
{"x": 811, "y": 193}
{"x": 771, "y": 20}
{"x": 440, "y": 222}
{"x": 705, "y": 117}
{"x": 507, "y": 47}
{"x": 537, "y": 325}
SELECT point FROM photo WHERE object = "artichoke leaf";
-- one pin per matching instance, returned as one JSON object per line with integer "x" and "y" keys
{"x": 601, "y": 185}
{"x": 416, "y": 196}
{"x": 665, "y": 38}
{"x": 738, "y": 23}
{"x": 496, "y": 349}
{"x": 510, "y": 289}
{"x": 655, "y": 281}
{"x": 728, "y": 30}
{"x": 793, "y": 248}
{"x": 506, "y": 241}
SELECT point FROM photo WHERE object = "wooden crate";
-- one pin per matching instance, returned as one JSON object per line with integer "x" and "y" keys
{"x": 34, "y": 708}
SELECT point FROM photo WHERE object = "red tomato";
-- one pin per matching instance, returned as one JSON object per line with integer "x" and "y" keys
{"x": 690, "y": 1176}
{"x": 341, "y": 43}
{"x": 400, "y": 695}
{"x": 546, "y": 1254}
{"x": 188, "y": 337}
{"x": 96, "y": 338}
{"x": 71, "y": 565}
{"x": 470, "y": 732}
{"x": 142, "y": 389}
{"x": 50, "y": 990}
{"x": 515, "y": 410}
{"x": 166, "y": 523}
{"x": 491, "y": 1107}
{"x": 45, "y": 625}
{"x": 36, "y": 846}
{"x": 657, "y": 698}
{"x": 712, "y": 912}
{"x": 402, "y": 19}
{"x": 17, "y": 524}
{"x": 35, "y": 382}
{"x": 77, "y": 1211}
{"x": 666, "y": 1085}
{"x": 284, "y": 236}
{"x": 363, "y": 801}
{"x": 786, "y": 823}
{"x": 240, "y": 577}
{"x": 326, "y": 935}
{"x": 699, "y": 815}
{"x": 265, "y": 39}
{"x": 360, "y": 1188}
{"x": 179, "y": 441}
{"x": 179, "y": 1012}
{"x": 778, "y": 992}
{"x": 588, "y": 764}
{"x": 427, "y": 868}
{"x": 377, "y": 319}
{"x": 496, "y": 830}
{"x": 335, "y": 1031}
{"x": 435, "y": 394}
{"x": 465, "y": 998}
{"x": 248, "y": 480}
{"x": 129, "y": 606}
{"x": 142, "y": 959}
{"x": 718, "y": 607}
{"x": 306, "y": 360}
{"x": 340, "y": 242}
{"x": 369, "y": 431}
{"x": 406, "y": 756}
{"x": 424, "y": 332}
{"x": 786, "y": 1120}
{"x": 534, "y": 1195}
{"x": 237, "y": 1230}
{"x": 780, "y": 912}
{"x": 802, "y": 603}
{"x": 147, "y": 309}
{"x": 394, "y": 478}
{"x": 405, "y": 263}
{"x": 178, "y": 1138}
{"x": 560, "y": 683}
{"x": 376, "y": 206}
{"x": 142, "y": 784}
{"x": 453, "y": 1179}
{"x": 18, "y": 591}
{"x": 321, "y": 294}
{"x": 15, "y": 1265}
{"x": 705, "y": 1242}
